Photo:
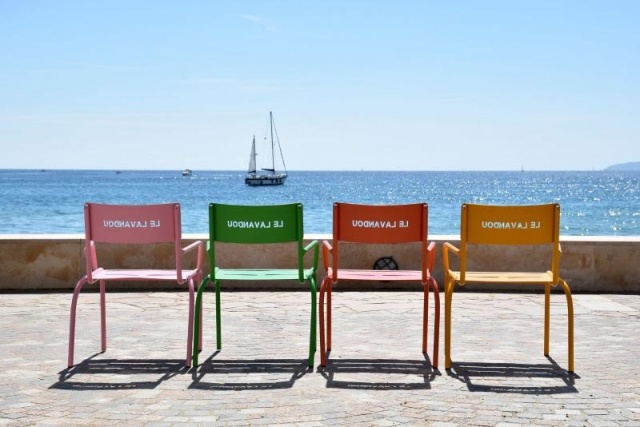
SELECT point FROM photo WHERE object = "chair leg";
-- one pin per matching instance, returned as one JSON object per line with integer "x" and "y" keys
{"x": 72, "y": 320}
{"x": 312, "y": 332}
{"x": 218, "y": 317}
{"x": 448, "y": 296}
{"x": 190, "y": 325}
{"x": 197, "y": 335}
{"x": 323, "y": 350}
{"x": 103, "y": 316}
{"x": 425, "y": 317}
{"x": 199, "y": 347}
{"x": 547, "y": 304}
{"x": 329, "y": 298}
{"x": 436, "y": 322}
{"x": 567, "y": 292}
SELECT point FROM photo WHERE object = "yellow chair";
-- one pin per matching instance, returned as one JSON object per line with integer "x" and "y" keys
{"x": 507, "y": 225}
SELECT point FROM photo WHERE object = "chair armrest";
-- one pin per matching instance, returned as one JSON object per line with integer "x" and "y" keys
{"x": 91, "y": 259}
{"x": 313, "y": 245}
{"x": 195, "y": 245}
{"x": 431, "y": 256}
{"x": 446, "y": 247}
{"x": 327, "y": 250}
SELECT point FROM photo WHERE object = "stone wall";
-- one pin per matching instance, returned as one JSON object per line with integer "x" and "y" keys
{"x": 55, "y": 262}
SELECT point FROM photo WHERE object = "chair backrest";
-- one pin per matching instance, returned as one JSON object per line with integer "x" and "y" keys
{"x": 132, "y": 224}
{"x": 510, "y": 225}
{"x": 379, "y": 224}
{"x": 255, "y": 224}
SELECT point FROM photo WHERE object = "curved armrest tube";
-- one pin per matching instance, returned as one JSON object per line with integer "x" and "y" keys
{"x": 197, "y": 244}
{"x": 446, "y": 247}
{"x": 313, "y": 245}
{"x": 327, "y": 249}
{"x": 431, "y": 256}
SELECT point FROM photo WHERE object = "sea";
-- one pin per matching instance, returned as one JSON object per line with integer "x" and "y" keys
{"x": 592, "y": 203}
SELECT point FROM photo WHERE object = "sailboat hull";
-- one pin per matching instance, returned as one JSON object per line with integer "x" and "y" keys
{"x": 261, "y": 180}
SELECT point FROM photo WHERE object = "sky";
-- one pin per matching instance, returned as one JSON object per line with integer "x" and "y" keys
{"x": 353, "y": 84}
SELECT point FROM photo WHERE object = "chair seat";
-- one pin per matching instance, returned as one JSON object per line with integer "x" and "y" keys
{"x": 381, "y": 275}
{"x": 261, "y": 274}
{"x": 118, "y": 274}
{"x": 505, "y": 277}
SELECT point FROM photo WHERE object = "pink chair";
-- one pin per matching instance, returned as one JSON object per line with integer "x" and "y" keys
{"x": 134, "y": 224}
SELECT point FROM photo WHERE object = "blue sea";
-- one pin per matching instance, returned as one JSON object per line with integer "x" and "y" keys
{"x": 593, "y": 203}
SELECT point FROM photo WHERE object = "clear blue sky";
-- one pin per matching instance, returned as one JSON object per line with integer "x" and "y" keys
{"x": 374, "y": 85}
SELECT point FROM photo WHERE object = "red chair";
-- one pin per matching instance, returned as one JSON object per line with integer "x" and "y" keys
{"x": 141, "y": 225}
{"x": 379, "y": 224}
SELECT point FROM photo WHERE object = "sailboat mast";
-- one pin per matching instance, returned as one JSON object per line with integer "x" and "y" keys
{"x": 273, "y": 158}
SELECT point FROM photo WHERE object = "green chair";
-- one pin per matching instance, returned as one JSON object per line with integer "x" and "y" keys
{"x": 255, "y": 225}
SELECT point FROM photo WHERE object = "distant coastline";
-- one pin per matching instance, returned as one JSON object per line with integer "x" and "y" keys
{"x": 630, "y": 166}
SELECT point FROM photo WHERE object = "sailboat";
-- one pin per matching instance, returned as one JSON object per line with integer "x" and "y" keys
{"x": 270, "y": 177}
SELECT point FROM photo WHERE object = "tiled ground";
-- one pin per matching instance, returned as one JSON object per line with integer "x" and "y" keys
{"x": 376, "y": 375}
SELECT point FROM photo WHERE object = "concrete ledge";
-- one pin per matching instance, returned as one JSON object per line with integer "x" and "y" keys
{"x": 55, "y": 262}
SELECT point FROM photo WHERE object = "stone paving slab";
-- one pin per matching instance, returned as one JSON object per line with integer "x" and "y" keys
{"x": 376, "y": 375}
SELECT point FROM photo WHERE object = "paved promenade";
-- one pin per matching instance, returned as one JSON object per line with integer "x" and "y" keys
{"x": 376, "y": 376}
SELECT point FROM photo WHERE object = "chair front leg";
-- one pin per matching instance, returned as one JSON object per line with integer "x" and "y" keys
{"x": 190, "y": 324}
{"x": 329, "y": 299}
{"x": 197, "y": 334}
{"x": 323, "y": 350}
{"x": 448, "y": 296}
{"x": 567, "y": 292}
{"x": 312, "y": 332}
{"x": 436, "y": 322}
{"x": 72, "y": 320}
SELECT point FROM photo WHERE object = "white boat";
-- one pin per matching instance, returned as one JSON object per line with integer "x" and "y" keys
{"x": 269, "y": 175}
{"x": 187, "y": 172}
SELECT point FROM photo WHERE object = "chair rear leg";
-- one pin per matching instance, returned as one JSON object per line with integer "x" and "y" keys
{"x": 425, "y": 317}
{"x": 103, "y": 316}
{"x": 218, "y": 317}
{"x": 312, "y": 332}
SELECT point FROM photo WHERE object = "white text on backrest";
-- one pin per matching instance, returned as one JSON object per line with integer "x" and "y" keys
{"x": 124, "y": 223}
{"x": 511, "y": 225}
{"x": 359, "y": 223}
{"x": 255, "y": 224}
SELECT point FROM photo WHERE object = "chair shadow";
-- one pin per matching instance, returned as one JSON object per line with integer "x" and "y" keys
{"x": 372, "y": 367}
{"x": 522, "y": 376}
{"x": 163, "y": 369}
{"x": 291, "y": 370}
